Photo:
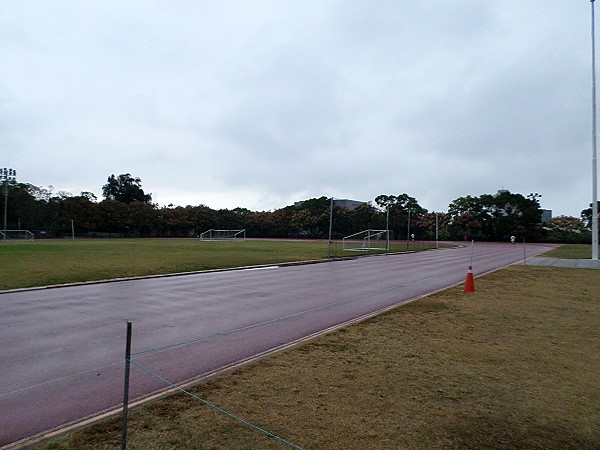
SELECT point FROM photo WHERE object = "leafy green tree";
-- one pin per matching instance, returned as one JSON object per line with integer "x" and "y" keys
{"x": 366, "y": 217}
{"x": 227, "y": 219}
{"x": 496, "y": 217}
{"x": 468, "y": 204}
{"x": 114, "y": 216}
{"x": 202, "y": 219}
{"x": 344, "y": 222}
{"x": 141, "y": 219}
{"x": 401, "y": 208}
{"x": 82, "y": 211}
{"x": 22, "y": 207}
{"x": 469, "y": 225}
{"x": 306, "y": 224}
{"x": 311, "y": 218}
{"x": 316, "y": 206}
{"x": 426, "y": 225}
{"x": 511, "y": 214}
{"x": 566, "y": 229}
{"x": 402, "y": 202}
{"x": 566, "y": 223}
{"x": 90, "y": 196}
{"x": 125, "y": 189}
{"x": 586, "y": 216}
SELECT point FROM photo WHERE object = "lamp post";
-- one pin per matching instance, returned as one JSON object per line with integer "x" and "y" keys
{"x": 387, "y": 227}
{"x": 408, "y": 230}
{"x": 437, "y": 231}
{"x": 6, "y": 176}
{"x": 594, "y": 158}
{"x": 330, "y": 227}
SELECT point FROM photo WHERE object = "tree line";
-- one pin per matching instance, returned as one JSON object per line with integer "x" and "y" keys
{"x": 127, "y": 211}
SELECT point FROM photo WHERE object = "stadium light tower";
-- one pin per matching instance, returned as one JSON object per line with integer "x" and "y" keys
{"x": 594, "y": 152}
{"x": 6, "y": 176}
{"x": 330, "y": 227}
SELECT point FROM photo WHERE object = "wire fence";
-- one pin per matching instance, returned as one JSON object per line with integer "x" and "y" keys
{"x": 129, "y": 360}
{"x": 216, "y": 408}
{"x": 395, "y": 246}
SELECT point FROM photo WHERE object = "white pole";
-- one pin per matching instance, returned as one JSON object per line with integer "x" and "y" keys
{"x": 594, "y": 158}
{"x": 387, "y": 228}
{"x": 7, "y": 175}
{"x": 472, "y": 248}
{"x": 408, "y": 230}
{"x": 5, "y": 204}
{"x": 330, "y": 226}
{"x": 437, "y": 245}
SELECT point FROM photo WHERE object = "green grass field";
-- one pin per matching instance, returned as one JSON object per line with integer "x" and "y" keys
{"x": 571, "y": 251}
{"x": 42, "y": 263}
{"x": 514, "y": 365}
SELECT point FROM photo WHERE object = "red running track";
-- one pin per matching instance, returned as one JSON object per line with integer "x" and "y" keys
{"x": 62, "y": 349}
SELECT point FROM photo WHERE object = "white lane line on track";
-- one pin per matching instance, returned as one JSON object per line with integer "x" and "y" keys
{"x": 55, "y": 380}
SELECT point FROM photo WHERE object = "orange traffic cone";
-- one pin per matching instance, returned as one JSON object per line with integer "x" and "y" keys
{"x": 469, "y": 282}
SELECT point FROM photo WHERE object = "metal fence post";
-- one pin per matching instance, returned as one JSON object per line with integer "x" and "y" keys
{"x": 126, "y": 388}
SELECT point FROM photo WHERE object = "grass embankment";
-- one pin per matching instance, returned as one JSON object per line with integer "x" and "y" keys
{"x": 571, "y": 251}
{"x": 515, "y": 365}
{"x": 42, "y": 263}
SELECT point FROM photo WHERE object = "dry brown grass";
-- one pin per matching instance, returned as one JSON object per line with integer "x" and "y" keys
{"x": 515, "y": 365}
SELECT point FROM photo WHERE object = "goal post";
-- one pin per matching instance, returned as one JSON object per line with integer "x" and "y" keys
{"x": 223, "y": 235}
{"x": 21, "y": 235}
{"x": 367, "y": 240}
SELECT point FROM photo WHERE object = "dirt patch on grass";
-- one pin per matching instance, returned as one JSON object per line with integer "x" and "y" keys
{"x": 515, "y": 365}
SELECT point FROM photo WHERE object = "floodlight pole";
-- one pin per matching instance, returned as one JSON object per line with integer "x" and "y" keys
{"x": 124, "y": 417}
{"x": 437, "y": 229}
{"x": 5, "y": 205}
{"x": 387, "y": 227}
{"x": 330, "y": 227}
{"x": 408, "y": 230}
{"x": 6, "y": 175}
{"x": 594, "y": 152}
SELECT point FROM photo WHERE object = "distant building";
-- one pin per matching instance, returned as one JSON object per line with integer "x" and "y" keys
{"x": 546, "y": 215}
{"x": 344, "y": 203}
{"x": 349, "y": 204}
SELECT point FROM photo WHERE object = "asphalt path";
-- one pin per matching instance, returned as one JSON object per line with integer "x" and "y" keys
{"x": 62, "y": 349}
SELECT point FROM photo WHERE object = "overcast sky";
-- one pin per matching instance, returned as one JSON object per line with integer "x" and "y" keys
{"x": 260, "y": 103}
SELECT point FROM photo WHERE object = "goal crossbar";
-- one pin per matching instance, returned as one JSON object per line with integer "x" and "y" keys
{"x": 224, "y": 235}
{"x": 367, "y": 240}
{"x": 23, "y": 235}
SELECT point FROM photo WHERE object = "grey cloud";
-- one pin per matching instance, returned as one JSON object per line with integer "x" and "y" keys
{"x": 280, "y": 98}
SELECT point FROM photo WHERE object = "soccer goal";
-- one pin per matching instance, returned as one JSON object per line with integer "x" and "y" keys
{"x": 223, "y": 235}
{"x": 366, "y": 240}
{"x": 22, "y": 235}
